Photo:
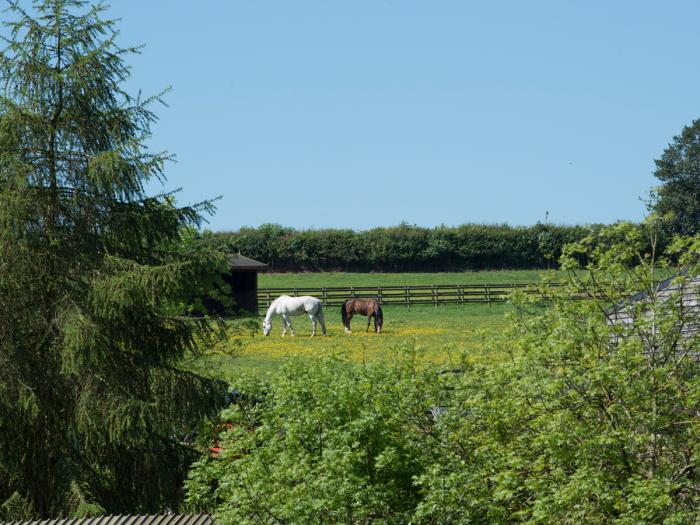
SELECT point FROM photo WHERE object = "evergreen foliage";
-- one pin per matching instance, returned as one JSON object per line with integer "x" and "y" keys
{"x": 94, "y": 279}
{"x": 406, "y": 248}
{"x": 575, "y": 418}
{"x": 678, "y": 197}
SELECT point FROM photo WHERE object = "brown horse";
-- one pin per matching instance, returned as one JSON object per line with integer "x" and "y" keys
{"x": 368, "y": 307}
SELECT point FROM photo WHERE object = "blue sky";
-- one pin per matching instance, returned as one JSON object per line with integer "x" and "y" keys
{"x": 367, "y": 112}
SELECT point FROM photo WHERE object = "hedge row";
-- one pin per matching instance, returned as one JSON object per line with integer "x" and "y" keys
{"x": 405, "y": 248}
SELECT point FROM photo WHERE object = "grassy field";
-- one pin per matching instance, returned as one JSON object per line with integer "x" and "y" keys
{"x": 438, "y": 334}
{"x": 329, "y": 279}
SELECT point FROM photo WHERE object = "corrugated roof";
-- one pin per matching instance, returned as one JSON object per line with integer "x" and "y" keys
{"x": 241, "y": 262}
{"x": 161, "y": 519}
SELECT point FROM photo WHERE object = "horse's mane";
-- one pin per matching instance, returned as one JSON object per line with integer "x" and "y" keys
{"x": 275, "y": 301}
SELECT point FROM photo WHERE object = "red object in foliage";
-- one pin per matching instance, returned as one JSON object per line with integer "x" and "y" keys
{"x": 216, "y": 450}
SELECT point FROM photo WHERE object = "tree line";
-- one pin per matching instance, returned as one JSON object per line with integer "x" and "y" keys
{"x": 405, "y": 247}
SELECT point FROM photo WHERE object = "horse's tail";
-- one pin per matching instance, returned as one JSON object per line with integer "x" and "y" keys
{"x": 379, "y": 315}
{"x": 344, "y": 314}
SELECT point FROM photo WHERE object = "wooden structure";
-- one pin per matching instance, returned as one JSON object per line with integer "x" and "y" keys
{"x": 404, "y": 295}
{"x": 681, "y": 288}
{"x": 243, "y": 280}
{"x": 163, "y": 519}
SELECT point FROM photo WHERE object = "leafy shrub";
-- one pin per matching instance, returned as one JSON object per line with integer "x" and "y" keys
{"x": 321, "y": 444}
{"x": 405, "y": 247}
{"x": 592, "y": 420}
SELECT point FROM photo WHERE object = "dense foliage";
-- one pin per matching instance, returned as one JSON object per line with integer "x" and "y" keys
{"x": 94, "y": 279}
{"x": 593, "y": 421}
{"x": 405, "y": 248}
{"x": 678, "y": 197}
{"x": 323, "y": 444}
{"x": 586, "y": 420}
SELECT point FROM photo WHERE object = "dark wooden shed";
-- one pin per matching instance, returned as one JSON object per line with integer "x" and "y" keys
{"x": 243, "y": 279}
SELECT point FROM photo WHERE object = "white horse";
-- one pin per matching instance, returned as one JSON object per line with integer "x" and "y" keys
{"x": 285, "y": 306}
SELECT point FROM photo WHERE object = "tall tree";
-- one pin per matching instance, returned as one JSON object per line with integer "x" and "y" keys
{"x": 678, "y": 198}
{"x": 93, "y": 278}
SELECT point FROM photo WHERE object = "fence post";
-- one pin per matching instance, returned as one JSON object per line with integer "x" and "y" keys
{"x": 408, "y": 296}
{"x": 379, "y": 294}
{"x": 488, "y": 294}
{"x": 460, "y": 294}
{"x": 325, "y": 296}
{"x": 435, "y": 297}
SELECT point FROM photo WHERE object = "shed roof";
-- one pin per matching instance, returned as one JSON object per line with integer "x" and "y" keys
{"x": 662, "y": 287}
{"x": 241, "y": 262}
{"x": 162, "y": 519}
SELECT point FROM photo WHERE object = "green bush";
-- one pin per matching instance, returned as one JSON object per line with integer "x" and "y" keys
{"x": 405, "y": 248}
{"x": 590, "y": 420}
{"x": 321, "y": 444}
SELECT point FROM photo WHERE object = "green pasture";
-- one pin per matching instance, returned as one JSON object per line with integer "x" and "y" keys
{"x": 438, "y": 334}
{"x": 331, "y": 279}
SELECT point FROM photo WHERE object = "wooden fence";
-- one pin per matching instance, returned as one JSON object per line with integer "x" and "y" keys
{"x": 402, "y": 295}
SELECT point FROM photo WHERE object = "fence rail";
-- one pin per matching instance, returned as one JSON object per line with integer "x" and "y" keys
{"x": 402, "y": 295}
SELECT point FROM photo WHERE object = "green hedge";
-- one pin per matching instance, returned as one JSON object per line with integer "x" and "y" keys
{"x": 405, "y": 247}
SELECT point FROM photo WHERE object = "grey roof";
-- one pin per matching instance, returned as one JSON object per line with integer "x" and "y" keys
{"x": 241, "y": 262}
{"x": 162, "y": 519}
{"x": 686, "y": 296}
{"x": 662, "y": 287}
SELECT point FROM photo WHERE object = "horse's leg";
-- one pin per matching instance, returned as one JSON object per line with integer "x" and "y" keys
{"x": 313, "y": 324}
{"x": 322, "y": 320}
{"x": 369, "y": 319}
{"x": 318, "y": 317}
{"x": 347, "y": 328}
{"x": 287, "y": 324}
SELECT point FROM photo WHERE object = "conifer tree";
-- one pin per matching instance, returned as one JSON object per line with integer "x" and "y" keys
{"x": 93, "y": 279}
{"x": 677, "y": 199}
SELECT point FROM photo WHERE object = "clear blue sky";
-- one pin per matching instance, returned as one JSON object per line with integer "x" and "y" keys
{"x": 366, "y": 113}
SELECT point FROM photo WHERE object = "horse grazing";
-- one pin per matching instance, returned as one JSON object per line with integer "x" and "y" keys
{"x": 368, "y": 307}
{"x": 285, "y": 306}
